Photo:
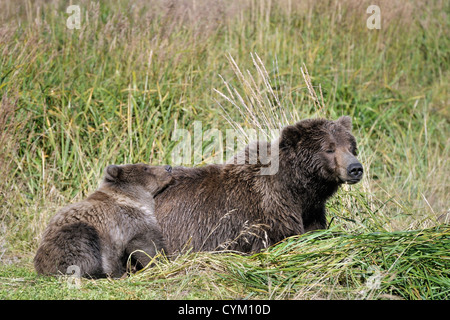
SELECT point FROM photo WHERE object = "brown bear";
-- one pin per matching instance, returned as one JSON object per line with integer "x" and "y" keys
{"x": 98, "y": 234}
{"x": 235, "y": 207}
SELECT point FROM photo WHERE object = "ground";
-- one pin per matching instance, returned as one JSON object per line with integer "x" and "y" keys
{"x": 319, "y": 265}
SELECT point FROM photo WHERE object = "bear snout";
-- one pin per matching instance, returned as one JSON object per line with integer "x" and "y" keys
{"x": 355, "y": 172}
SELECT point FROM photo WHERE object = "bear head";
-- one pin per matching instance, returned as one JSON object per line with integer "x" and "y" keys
{"x": 321, "y": 149}
{"x": 136, "y": 177}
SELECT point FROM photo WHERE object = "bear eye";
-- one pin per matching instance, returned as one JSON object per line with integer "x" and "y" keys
{"x": 145, "y": 169}
{"x": 329, "y": 151}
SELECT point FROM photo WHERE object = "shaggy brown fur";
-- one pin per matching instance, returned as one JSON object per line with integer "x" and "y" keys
{"x": 98, "y": 234}
{"x": 233, "y": 206}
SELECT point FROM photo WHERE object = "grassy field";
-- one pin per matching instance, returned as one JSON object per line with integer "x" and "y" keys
{"x": 115, "y": 90}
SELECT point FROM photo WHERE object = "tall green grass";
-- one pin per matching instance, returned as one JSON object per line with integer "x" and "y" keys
{"x": 114, "y": 91}
{"x": 396, "y": 265}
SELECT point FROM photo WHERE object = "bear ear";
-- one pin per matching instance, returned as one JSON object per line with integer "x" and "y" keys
{"x": 345, "y": 121}
{"x": 290, "y": 135}
{"x": 112, "y": 172}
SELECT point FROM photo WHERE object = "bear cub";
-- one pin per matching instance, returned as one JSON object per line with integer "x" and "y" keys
{"x": 98, "y": 234}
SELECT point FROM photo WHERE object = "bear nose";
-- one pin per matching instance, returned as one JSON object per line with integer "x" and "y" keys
{"x": 355, "y": 170}
{"x": 168, "y": 168}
